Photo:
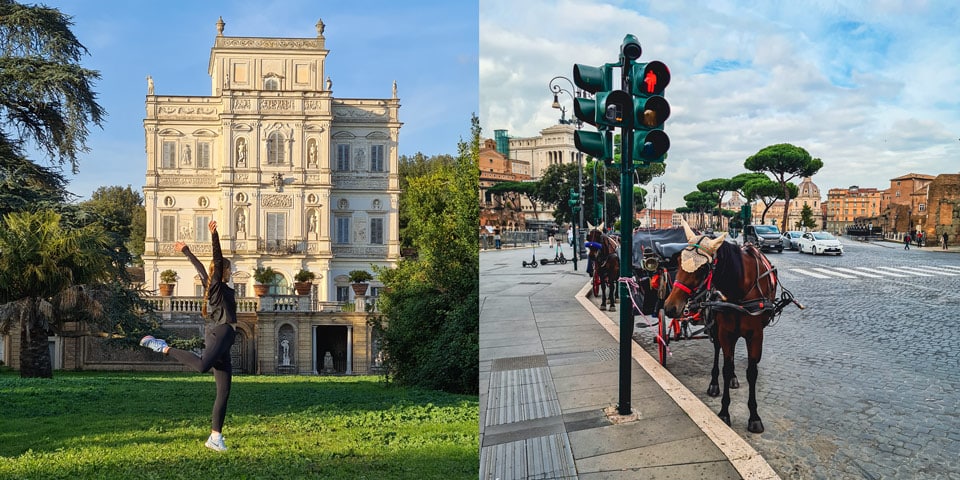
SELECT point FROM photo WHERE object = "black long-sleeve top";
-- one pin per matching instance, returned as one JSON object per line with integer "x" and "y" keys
{"x": 221, "y": 299}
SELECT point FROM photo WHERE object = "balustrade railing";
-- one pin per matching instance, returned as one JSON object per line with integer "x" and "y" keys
{"x": 267, "y": 303}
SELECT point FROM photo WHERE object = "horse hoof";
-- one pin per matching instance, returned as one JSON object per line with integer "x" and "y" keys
{"x": 713, "y": 390}
{"x": 734, "y": 383}
{"x": 603, "y": 307}
{"x": 613, "y": 309}
{"x": 726, "y": 419}
{"x": 754, "y": 426}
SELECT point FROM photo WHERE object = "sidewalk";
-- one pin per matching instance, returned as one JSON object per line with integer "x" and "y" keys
{"x": 549, "y": 368}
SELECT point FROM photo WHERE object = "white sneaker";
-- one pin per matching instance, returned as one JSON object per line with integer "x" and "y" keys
{"x": 217, "y": 444}
{"x": 155, "y": 344}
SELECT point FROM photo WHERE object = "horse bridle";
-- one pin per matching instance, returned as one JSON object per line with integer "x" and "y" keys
{"x": 704, "y": 285}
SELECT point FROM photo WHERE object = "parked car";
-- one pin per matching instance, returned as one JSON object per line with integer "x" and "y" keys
{"x": 791, "y": 238}
{"x": 765, "y": 237}
{"x": 820, "y": 242}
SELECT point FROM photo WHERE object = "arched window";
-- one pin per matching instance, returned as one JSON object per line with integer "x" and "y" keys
{"x": 275, "y": 154}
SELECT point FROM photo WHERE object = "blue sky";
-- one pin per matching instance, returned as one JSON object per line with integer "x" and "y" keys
{"x": 428, "y": 46}
{"x": 868, "y": 87}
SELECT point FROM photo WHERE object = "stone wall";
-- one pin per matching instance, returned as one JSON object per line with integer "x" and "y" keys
{"x": 943, "y": 208}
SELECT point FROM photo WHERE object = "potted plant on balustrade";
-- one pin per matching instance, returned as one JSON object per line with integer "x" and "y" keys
{"x": 264, "y": 278}
{"x": 304, "y": 280}
{"x": 359, "y": 279}
{"x": 168, "y": 280}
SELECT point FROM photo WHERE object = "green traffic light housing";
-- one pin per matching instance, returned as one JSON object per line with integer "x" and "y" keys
{"x": 596, "y": 144}
{"x": 593, "y": 79}
{"x": 630, "y": 48}
{"x": 649, "y": 78}
{"x": 650, "y": 147}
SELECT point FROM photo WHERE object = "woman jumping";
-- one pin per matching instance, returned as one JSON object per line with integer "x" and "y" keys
{"x": 221, "y": 304}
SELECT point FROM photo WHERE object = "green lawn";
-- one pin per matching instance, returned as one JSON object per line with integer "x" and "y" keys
{"x": 101, "y": 425}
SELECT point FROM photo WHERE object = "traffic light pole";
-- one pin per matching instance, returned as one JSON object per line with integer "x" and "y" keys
{"x": 626, "y": 256}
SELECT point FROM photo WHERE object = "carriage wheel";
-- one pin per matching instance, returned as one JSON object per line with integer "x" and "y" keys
{"x": 664, "y": 339}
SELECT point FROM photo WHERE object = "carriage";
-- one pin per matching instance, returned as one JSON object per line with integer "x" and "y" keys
{"x": 690, "y": 280}
{"x": 655, "y": 262}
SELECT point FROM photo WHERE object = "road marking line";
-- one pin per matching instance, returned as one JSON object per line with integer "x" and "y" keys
{"x": 814, "y": 275}
{"x": 940, "y": 270}
{"x": 882, "y": 273}
{"x": 831, "y": 272}
{"x": 955, "y": 267}
{"x": 907, "y": 270}
{"x": 857, "y": 272}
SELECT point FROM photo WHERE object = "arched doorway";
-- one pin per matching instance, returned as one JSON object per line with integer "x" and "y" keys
{"x": 330, "y": 339}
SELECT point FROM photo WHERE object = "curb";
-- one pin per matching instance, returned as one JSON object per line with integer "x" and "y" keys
{"x": 747, "y": 461}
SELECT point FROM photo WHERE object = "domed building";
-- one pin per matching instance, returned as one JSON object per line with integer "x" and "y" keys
{"x": 807, "y": 194}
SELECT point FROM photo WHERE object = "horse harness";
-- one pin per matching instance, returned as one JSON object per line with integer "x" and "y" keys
{"x": 707, "y": 297}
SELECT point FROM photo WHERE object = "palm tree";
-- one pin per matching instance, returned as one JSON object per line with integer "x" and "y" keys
{"x": 44, "y": 267}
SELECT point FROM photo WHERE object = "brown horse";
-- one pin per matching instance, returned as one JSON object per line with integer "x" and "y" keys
{"x": 741, "y": 287}
{"x": 606, "y": 265}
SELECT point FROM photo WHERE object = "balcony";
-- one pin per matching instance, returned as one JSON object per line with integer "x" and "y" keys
{"x": 267, "y": 303}
{"x": 282, "y": 247}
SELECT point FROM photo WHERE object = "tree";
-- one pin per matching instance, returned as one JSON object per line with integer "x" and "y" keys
{"x": 410, "y": 168}
{"x": 554, "y": 187}
{"x": 121, "y": 212}
{"x": 768, "y": 192}
{"x": 45, "y": 95}
{"x": 25, "y": 185}
{"x": 43, "y": 268}
{"x": 806, "y": 218}
{"x": 430, "y": 333}
{"x": 785, "y": 162}
{"x": 700, "y": 202}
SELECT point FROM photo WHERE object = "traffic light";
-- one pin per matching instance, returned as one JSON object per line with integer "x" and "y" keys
{"x": 574, "y": 201}
{"x": 599, "y": 81}
{"x": 647, "y": 83}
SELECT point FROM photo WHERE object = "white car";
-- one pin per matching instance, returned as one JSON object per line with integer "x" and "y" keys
{"x": 819, "y": 242}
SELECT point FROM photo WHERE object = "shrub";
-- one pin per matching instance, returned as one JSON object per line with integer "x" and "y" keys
{"x": 360, "y": 276}
{"x": 168, "y": 276}
{"x": 264, "y": 275}
{"x": 304, "y": 275}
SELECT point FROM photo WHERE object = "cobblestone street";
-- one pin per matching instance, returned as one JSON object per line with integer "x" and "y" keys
{"x": 863, "y": 383}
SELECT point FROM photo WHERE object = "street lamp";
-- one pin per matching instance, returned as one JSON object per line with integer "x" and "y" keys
{"x": 557, "y": 90}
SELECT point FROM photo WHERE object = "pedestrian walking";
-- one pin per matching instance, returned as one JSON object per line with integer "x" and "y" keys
{"x": 551, "y": 236}
{"x": 570, "y": 235}
{"x": 906, "y": 242}
{"x": 919, "y": 239}
{"x": 944, "y": 240}
{"x": 496, "y": 238}
{"x": 220, "y": 307}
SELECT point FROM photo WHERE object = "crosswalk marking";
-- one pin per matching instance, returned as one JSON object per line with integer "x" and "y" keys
{"x": 831, "y": 272}
{"x": 949, "y": 273}
{"x": 890, "y": 274}
{"x": 857, "y": 272}
{"x": 814, "y": 275}
{"x": 952, "y": 267}
{"x": 905, "y": 268}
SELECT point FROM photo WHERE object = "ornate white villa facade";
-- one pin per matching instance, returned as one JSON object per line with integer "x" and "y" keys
{"x": 295, "y": 177}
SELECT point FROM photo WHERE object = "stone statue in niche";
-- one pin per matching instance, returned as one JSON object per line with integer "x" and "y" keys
{"x": 328, "y": 362}
{"x": 312, "y": 152}
{"x": 361, "y": 234}
{"x": 241, "y": 222}
{"x": 360, "y": 159}
{"x": 312, "y": 222}
{"x": 285, "y": 347}
{"x": 186, "y": 154}
{"x": 241, "y": 152}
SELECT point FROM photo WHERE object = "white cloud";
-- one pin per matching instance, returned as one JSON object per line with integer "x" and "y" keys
{"x": 869, "y": 89}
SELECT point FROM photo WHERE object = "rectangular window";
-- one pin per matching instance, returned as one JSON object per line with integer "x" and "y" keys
{"x": 168, "y": 228}
{"x": 198, "y": 290}
{"x": 202, "y": 234}
{"x": 343, "y": 230}
{"x": 376, "y": 158}
{"x": 343, "y": 157}
{"x": 922, "y": 207}
{"x": 376, "y": 231}
{"x": 276, "y": 226}
{"x": 169, "y": 157}
{"x": 240, "y": 289}
{"x": 203, "y": 155}
{"x": 374, "y": 292}
{"x": 343, "y": 294}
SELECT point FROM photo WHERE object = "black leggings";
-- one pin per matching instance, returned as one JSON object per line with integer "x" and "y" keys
{"x": 216, "y": 355}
